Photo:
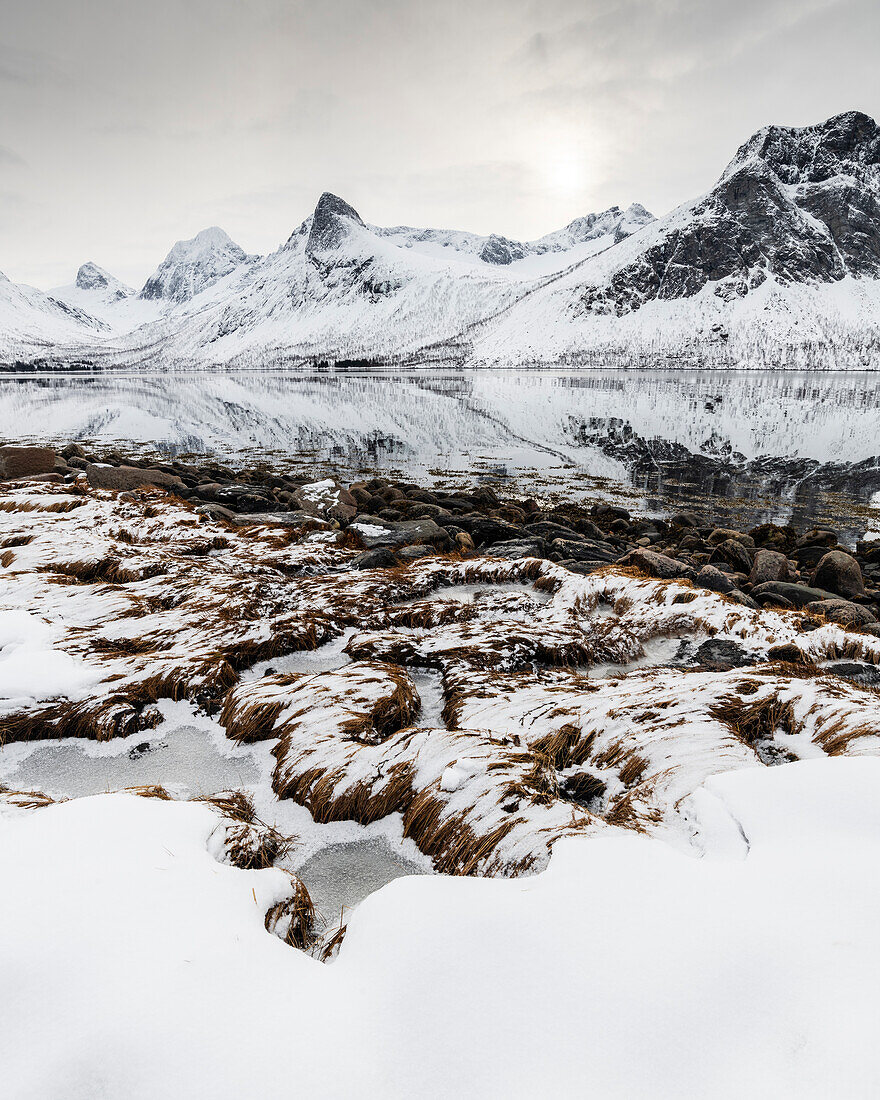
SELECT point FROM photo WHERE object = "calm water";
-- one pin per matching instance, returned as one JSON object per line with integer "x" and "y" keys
{"x": 726, "y": 443}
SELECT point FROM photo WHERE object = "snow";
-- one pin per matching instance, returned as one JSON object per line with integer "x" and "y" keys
{"x": 745, "y": 973}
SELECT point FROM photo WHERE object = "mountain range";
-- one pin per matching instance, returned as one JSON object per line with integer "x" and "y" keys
{"x": 778, "y": 264}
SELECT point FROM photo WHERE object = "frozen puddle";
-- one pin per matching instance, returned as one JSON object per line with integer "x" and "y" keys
{"x": 340, "y": 876}
{"x": 186, "y": 760}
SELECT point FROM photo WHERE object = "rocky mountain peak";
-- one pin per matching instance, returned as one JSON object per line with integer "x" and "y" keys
{"x": 844, "y": 145}
{"x": 92, "y": 277}
{"x": 329, "y": 223}
{"x": 193, "y": 265}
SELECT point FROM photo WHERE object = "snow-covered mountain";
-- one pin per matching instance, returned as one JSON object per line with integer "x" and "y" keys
{"x": 102, "y": 296}
{"x": 192, "y": 266}
{"x": 777, "y": 264}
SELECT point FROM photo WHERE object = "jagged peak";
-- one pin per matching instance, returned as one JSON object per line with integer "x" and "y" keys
{"x": 845, "y": 144}
{"x": 328, "y": 225}
{"x": 193, "y": 264}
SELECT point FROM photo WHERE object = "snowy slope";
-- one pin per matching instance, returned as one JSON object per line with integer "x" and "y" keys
{"x": 32, "y": 322}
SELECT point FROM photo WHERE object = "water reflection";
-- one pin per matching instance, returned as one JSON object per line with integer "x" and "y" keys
{"x": 714, "y": 440}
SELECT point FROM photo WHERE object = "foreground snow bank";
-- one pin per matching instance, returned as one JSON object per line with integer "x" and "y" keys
{"x": 132, "y": 965}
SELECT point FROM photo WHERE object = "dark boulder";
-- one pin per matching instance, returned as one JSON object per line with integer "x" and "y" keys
{"x": 839, "y": 572}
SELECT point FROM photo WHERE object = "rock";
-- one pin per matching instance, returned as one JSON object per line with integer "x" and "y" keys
{"x": 550, "y": 530}
{"x": 464, "y": 540}
{"x": 714, "y": 579}
{"x": 723, "y": 653}
{"x": 280, "y": 519}
{"x": 773, "y": 537}
{"x": 72, "y": 450}
{"x": 123, "y": 478}
{"x": 842, "y": 612}
{"x": 18, "y": 462}
{"x": 721, "y": 534}
{"x": 380, "y": 558}
{"x": 244, "y": 498}
{"x": 584, "y": 550}
{"x": 839, "y": 572}
{"x": 582, "y": 567}
{"x": 741, "y": 597}
{"x": 485, "y": 531}
{"x": 401, "y": 533}
{"x": 519, "y": 548}
{"x": 789, "y": 653}
{"x": 799, "y": 595}
{"x": 818, "y": 536}
{"x": 656, "y": 565}
{"x": 769, "y": 565}
{"x": 684, "y": 519}
{"x": 215, "y": 511}
{"x": 326, "y": 498}
{"x": 859, "y": 673}
{"x": 413, "y": 553}
{"x": 734, "y": 553}
{"x": 808, "y": 557}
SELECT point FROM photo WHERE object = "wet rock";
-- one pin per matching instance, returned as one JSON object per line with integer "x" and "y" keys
{"x": 714, "y": 579}
{"x": 26, "y": 461}
{"x": 769, "y": 565}
{"x": 840, "y": 573}
{"x": 842, "y": 612}
{"x": 723, "y": 653}
{"x": 656, "y": 565}
{"x": 123, "y": 478}
{"x": 798, "y": 595}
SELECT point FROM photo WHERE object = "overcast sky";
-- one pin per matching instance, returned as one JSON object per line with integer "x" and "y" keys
{"x": 125, "y": 126}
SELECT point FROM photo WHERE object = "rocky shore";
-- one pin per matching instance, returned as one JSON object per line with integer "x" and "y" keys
{"x": 394, "y": 521}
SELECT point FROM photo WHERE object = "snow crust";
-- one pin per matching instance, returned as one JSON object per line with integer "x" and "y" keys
{"x": 731, "y": 975}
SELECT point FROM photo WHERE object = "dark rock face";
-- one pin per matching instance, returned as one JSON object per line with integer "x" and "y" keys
{"x": 840, "y": 573}
{"x": 328, "y": 228}
{"x": 800, "y": 204}
{"x": 500, "y": 250}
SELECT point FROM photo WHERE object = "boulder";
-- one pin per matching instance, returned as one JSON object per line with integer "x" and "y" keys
{"x": 380, "y": 558}
{"x": 842, "y": 612}
{"x": 721, "y": 534}
{"x": 401, "y": 533}
{"x": 584, "y": 550}
{"x": 798, "y": 595}
{"x": 656, "y": 565}
{"x": 18, "y": 462}
{"x": 583, "y": 567}
{"x": 279, "y": 519}
{"x": 839, "y": 572}
{"x": 714, "y": 579}
{"x": 123, "y": 478}
{"x": 769, "y": 565}
{"x": 734, "y": 553}
{"x": 519, "y": 548}
{"x": 723, "y": 653}
{"x": 327, "y": 498}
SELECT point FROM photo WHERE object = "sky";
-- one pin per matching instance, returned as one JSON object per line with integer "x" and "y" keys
{"x": 127, "y": 126}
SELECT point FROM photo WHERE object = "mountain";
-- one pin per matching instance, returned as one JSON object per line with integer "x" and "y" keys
{"x": 778, "y": 264}
{"x": 33, "y": 324}
{"x": 192, "y": 266}
{"x": 102, "y": 296}
{"x": 783, "y": 253}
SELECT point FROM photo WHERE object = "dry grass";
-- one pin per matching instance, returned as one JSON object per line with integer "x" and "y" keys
{"x": 757, "y": 721}
{"x": 293, "y": 920}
